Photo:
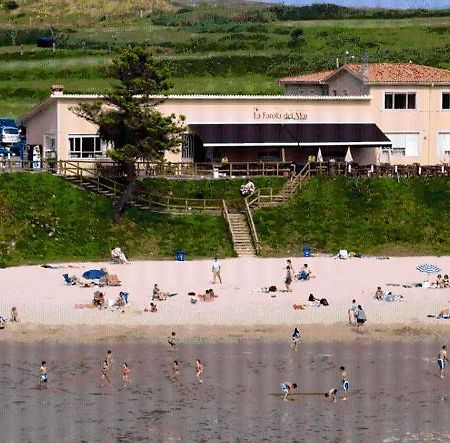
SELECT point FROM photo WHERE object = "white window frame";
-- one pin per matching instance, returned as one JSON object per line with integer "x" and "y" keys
{"x": 95, "y": 154}
{"x": 402, "y": 151}
{"x": 187, "y": 148}
{"x": 394, "y": 93}
{"x": 442, "y": 101}
{"x": 440, "y": 153}
{"x": 49, "y": 142}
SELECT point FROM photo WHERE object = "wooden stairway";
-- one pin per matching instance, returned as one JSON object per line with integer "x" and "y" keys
{"x": 241, "y": 235}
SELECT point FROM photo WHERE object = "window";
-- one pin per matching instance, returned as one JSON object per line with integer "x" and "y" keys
{"x": 85, "y": 146}
{"x": 446, "y": 100}
{"x": 187, "y": 147}
{"x": 49, "y": 142}
{"x": 400, "y": 100}
{"x": 403, "y": 144}
{"x": 443, "y": 145}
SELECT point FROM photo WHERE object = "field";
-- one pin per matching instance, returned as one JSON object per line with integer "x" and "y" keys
{"x": 212, "y": 49}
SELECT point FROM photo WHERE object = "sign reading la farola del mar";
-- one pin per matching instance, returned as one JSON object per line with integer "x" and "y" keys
{"x": 279, "y": 115}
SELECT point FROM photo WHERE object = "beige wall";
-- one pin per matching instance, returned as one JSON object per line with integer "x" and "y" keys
{"x": 344, "y": 83}
{"x": 427, "y": 119}
{"x": 44, "y": 122}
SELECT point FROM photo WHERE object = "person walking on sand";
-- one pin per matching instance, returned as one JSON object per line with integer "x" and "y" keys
{"x": 289, "y": 263}
{"x": 216, "y": 270}
{"x": 352, "y": 312}
{"x": 295, "y": 339}
{"x": 105, "y": 372}
{"x": 126, "y": 372}
{"x": 441, "y": 360}
{"x": 345, "y": 382}
{"x": 360, "y": 318}
{"x": 43, "y": 377}
{"x": 286, "y": 388}
{"x": 288, "y": 279}
{"x": 332, "y": 395}
{"x": 199, "y": 370}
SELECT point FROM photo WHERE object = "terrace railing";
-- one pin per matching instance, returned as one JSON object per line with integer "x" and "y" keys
{"x": 252, "y": 226}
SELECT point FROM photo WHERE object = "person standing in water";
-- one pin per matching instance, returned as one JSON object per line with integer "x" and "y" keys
{"x": 295, "y": 339}
{"x": 199, "y": 370}
{"x": 286, "y": 388}
{"x": 109, "y": 359}
{"x": 43, "y": 377}
{"x": 125, "y": 374}
{"x": 172, "y": 340}
{"x": 345, "y": 382}
{"x": 441, "y": 360}
{"x": 176, "y": 371}
{"x": 105, "y": 372}
{"x": 332, "y": 395}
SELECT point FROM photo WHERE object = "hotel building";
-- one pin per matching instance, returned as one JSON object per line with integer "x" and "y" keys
{"x": 385, "y": 112}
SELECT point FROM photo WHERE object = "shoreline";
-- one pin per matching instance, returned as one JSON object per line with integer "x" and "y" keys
{"x": 33, "y": 333}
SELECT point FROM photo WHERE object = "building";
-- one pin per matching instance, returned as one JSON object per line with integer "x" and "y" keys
{"x": 385, "y": 112}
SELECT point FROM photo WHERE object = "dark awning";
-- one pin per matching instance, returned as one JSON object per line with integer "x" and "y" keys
{"x": 290, "y": 134}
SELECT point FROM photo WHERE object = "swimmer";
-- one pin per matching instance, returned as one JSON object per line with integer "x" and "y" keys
{"x": 43, "y": 379}
{"x": 295, "y": 339}
{"x": 441, "y": 360}
{"x": 109, "y": 358}
{"x": 105, "y": 371}
{"x": 345, "y": 383}
{"x": 286, "y": 388}
{"x": 199, "y": 370}
{"x": 125, "y": 373}
{"x": 171, "y": 340}
{"x": 332, "y": 395}
{"x": 175, "y": 370}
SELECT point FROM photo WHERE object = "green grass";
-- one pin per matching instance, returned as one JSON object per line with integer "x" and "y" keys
{"x": 377, "y": 216}
{"x": 44, "y": 219}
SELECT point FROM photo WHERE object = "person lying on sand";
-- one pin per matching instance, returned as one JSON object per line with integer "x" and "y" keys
{"x": 158, "y": 294}
{"x": 151, "y": 308}
{"x": 208, "y": 295}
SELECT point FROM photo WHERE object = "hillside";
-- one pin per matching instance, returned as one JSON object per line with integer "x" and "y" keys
{"x": 43, "y": 219}
{"x": 377, "y": 216}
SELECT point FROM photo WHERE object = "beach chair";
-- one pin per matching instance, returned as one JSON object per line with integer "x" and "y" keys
{"x": 70, "y": 281}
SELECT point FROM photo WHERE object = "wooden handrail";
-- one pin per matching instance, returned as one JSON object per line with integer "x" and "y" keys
{"x": 252, "y": 228}
{"x": 227, "y": 218}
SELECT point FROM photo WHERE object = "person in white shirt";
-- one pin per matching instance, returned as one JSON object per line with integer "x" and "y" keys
{"x": 216, "y": 270}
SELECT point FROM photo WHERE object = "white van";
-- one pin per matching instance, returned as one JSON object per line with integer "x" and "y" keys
{"x": 9, "y": 135}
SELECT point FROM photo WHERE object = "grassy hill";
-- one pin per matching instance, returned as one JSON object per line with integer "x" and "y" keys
{"x": 377, "y": 216}
{"x": 227, "y": 48}
{"x": 43, "y": 218}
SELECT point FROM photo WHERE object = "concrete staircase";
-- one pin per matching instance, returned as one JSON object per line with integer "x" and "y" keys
{"x": 240, "y": 234}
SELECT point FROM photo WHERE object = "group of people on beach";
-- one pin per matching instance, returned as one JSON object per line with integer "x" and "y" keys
{"x": 331, "y": 394}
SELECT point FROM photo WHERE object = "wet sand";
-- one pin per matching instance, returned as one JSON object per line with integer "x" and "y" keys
{"x": 395, "y": 393}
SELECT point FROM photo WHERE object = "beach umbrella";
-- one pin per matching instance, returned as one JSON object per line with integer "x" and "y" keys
{"x": 94, "y": 274}
{"x": 348, "y": 156}
{"x": 319, "y": 156}
{"x": 428, "y": 268}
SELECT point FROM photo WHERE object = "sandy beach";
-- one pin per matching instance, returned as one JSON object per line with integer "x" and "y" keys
{"x": 47, "y": 306}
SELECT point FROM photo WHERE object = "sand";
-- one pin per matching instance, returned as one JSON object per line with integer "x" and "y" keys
{"x": 47, "y": 305}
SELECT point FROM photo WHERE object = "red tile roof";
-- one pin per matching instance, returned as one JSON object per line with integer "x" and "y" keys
{"x": 315, "y": 77}
{"x": 400, "y": 73}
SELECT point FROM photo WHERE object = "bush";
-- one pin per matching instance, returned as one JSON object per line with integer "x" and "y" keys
{"x": 10, "y": 5}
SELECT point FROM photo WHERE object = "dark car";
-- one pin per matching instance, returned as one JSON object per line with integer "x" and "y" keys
{"x": 45, "y": 41}
{"x": 9, "y": 122}
{"x": 4, "y": 151}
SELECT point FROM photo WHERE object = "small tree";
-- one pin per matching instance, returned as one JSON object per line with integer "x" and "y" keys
{"x": 127, "y": 117}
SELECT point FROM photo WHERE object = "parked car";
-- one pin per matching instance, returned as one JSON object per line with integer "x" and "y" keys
{"x": 9, "y": 135}
{"x": 9, "y": 122}
{"x": 4, "y": 151}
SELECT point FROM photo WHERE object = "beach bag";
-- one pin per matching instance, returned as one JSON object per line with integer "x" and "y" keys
{"x": 272, "y": 289}
{"x": 311, "y": 298}
{"x": 324, "y": 302}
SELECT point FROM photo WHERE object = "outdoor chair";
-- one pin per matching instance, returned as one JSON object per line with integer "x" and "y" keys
{"x": 70, "y": 281}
